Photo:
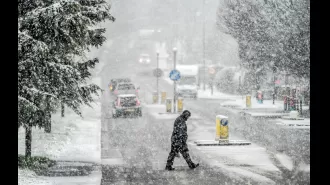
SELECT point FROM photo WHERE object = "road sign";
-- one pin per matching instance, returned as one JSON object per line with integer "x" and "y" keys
{"x": 211, "y": 70}
{"x": 158, "y": 72}
{"x": 175, "y": 75}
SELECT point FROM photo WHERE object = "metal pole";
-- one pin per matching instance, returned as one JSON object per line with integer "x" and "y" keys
{"x": 212, "y": 86}
{"x": 274, "y": 91}
{"x": 204, "y": 45}
{"x": 157, "y": 76}
{"x": 239, "y": 86}
{"x": 174, "y": 92}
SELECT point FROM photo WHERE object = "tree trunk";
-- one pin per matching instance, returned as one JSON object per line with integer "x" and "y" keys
{"x": 47, "y": 119}
{"x": 28, "y": 140}
{"x": 62, "y": 110}
{"x": 48, "y": 124}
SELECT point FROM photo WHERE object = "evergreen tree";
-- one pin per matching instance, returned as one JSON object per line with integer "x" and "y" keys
{"x": 53, "y": 36}
{"x": 271, "y": 34}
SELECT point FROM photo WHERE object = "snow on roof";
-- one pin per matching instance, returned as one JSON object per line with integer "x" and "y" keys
{"x": 121, "y": 83}
{"x": 126, "y": 95}
{"x": 187, "y": 69}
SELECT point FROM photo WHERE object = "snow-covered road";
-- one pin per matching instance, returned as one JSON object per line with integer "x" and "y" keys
{"x": 140, "y": 146}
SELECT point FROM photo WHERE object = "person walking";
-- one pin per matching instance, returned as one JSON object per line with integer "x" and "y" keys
{"x": 179, "y": 142}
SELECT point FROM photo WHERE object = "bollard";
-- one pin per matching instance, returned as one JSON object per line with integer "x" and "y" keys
{"x": 163, "y": 97}
{"x": 221, "y": 126}
{"x": 285, "y": 103}
{"x": 248, "y": 101}
{"x": 297, "y": 104}
{"x": 259, "y": 97}
{"x": 154, "y": 97}
{"x": 291, "y": 102}
{"x": 169, "y": 105}
{"x": 180, "y": 104}
{"x": 301, "y": 111}
{"x": 294, "y": 103}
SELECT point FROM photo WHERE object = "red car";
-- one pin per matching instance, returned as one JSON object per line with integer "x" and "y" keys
{"x": 126, "y": 104}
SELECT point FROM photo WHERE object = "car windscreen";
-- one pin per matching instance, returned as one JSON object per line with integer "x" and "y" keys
{"x": 126, "y": 87}
{"x": 123, "y": 80}
{"x": 145, "y": 56}
{"x": 187, "y": 80}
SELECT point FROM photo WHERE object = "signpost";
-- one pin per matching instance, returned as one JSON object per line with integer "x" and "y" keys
{"x": 158, "y": 73}
{"x": 174, "y": 75}
{"x": 211, "y": 70}
{"x": 211, "y": 73}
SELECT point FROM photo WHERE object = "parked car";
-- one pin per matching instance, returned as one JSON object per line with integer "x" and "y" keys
{"x": 113, "y": 82}
{"x": 125, "y": 88}
{"x": 126, "y": 104}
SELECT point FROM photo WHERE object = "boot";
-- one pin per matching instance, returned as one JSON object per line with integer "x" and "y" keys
{"x": 169, "y": 168}
{"x": 193, "y": 165}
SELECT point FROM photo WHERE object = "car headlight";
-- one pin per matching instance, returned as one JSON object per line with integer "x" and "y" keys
{"x": 140, "y": 60}
{"x": 148, "y": 60}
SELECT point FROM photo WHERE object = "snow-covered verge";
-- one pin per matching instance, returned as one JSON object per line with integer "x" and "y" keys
{"x": 72, "y": 138}
{"x": 267, "y": 104}
{"x": 28, "y": 177}
{"x": 207, "y": 94}
{"x": 285, "y": 161}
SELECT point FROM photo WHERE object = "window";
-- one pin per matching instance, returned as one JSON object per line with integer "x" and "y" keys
{"x": 187, "y": 81}
{"x": 126, "y": 87}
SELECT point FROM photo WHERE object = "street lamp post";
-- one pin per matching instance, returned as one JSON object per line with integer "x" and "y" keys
{"x": 274, "y": 94}
{"x": 174, "y": 84}
{"x": 274, "y": 78}
{"x": 204, "y": 45}
{"x": 157, "y": 74}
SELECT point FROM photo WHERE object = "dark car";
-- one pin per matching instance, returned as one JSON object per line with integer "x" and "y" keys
{"x": 126, "y": 104}
{"x": 113, "y": 83}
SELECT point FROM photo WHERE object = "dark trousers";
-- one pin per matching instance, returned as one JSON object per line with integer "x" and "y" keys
{"x": 183, "y": 149}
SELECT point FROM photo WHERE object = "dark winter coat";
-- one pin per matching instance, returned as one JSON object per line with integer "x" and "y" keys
{"x": 179, "y": 135}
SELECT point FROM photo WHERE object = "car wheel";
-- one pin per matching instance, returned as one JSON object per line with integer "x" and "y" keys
{"x": 139, "y": 113}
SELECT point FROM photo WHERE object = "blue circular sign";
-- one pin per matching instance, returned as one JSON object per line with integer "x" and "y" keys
{"x": 224, "y": 122}
{"x": 175, "y": 75}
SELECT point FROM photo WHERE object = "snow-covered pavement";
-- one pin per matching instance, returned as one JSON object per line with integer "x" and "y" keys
{"x": 72, "y": 138}
{"x": 28, "y": 177}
